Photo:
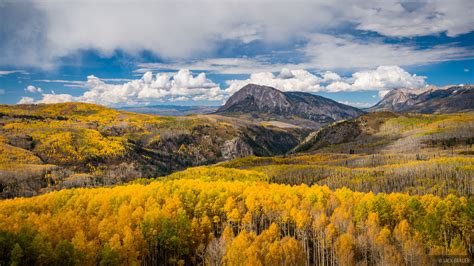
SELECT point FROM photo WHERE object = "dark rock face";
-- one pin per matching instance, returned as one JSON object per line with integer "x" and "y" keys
{"x": 236, "y": 148}
{"x": 430, "y": 100}
{"x": 256, "y": 99}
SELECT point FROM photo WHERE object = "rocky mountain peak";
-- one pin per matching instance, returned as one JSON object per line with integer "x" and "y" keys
{"x": 429, "y": 99}
{"x": 277, "y": 105}
{"x": 257, "y": 98}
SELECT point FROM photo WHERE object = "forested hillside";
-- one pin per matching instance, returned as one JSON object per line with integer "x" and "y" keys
{"x": 47, "y": 147}
{"x": 216, "y": 221}
{"x": 387, "y": 132}
{"x": 381, "y": 152}
{"x": 368, "y": 173}
{"x": 382, "y": 189}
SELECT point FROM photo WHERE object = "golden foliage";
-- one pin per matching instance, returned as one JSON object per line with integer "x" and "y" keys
{"x": 326, "y": 208}
{"x": 178, "y": 220}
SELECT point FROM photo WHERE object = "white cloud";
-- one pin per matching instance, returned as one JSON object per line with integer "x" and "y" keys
{"x": 26, "y": 100}
{"x": 57, "y": 98}
{"x": 386, "y": 77}
{"x": 150, "y": 88}
{"x": 286, "y": 73}
{"x": 328, "y": 76}
{"x": 287, "y": 80}
{"x": 382, "y": 78}
{"x": 184, "y": 86}
{"x": 2, "y": 91}
{"x": 33, "y": 89}
{"x": 339, "y": 86}
{"x": 8, "y": 72}
{"x": 323, "y": 52}
{"x": 346, "y": 52}
{"x": 40, "y": 32}
{"x": 466, "y": 70}
{"x": 215, "y": 65}
{"x": 66, "y": 83}
{"x": 111, "y": 80}
{"x": 153, "y": 87}
{"x": 181, "y": 98}
{"x": 413, "y": 18}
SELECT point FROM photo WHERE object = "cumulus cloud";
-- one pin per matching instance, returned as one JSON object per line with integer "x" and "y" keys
{"x": 330, "y": 76}
{"x": 36, "y": 33}
{"x": 56, "y": 98}
{"x": 26, "y": 100}
{"x": 287, "y": 80}
{"x": 33, "y": 89}
{"x": 184, "y": 86}
{"x": 387, "y": 77}
{"x": 382, "y": 78}
{"x": 150, "y": 88}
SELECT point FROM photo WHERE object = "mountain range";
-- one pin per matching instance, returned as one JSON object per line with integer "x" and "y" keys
{"x": 428, "y": 100}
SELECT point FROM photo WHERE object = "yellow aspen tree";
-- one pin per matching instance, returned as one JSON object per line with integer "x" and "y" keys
{"x": 345, "y": 252}
{"x": 292, "y": 251}
{"x": 237, "y": 248}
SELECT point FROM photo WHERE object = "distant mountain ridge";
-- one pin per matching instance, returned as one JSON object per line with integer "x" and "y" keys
{"x": 170, "y": 110}
{"x": 268, "y": 102}
{"x": 431, "y": 99}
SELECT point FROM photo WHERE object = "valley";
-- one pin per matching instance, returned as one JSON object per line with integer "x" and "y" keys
{"x": 101, "y": 186}
{"x": 46, "y": 147}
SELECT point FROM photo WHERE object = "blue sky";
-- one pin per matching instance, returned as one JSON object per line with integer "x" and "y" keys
{"x": 200, "y": 52}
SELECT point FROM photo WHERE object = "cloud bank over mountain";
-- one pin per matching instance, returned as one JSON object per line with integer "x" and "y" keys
{"x": 382, "y": 78}
{"x": 183, "y": 85}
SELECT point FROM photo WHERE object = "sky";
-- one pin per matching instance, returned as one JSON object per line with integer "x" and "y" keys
{"x": 133, "y": 53}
